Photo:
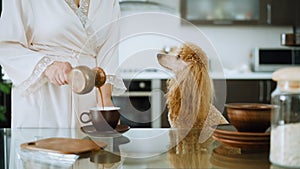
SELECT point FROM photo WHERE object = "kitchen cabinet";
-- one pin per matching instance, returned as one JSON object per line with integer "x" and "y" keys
{"x": 283, "y": 12}
{"x": 149, "y": 95}
{"x": 234, "y": 91}
{"x": 249, "y": 91}
{"x": 240, "y": 12}
{"x": 129, "y": 7}
{"x": 244, "y": 91}
{"x": 222, "y": 12}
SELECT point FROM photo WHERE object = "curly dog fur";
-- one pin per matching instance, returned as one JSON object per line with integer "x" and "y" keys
{"x": 190, "y": 92}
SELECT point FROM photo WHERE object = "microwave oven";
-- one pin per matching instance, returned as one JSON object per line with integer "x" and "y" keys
{"x": 269, "y": 60}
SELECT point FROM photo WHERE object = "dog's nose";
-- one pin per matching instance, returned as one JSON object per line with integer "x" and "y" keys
{"x": 159, "y": 55}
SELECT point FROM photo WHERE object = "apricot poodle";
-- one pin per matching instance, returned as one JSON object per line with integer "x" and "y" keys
{"x": 190, "y": 93}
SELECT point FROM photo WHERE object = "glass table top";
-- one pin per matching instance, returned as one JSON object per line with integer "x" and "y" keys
{"x": 136, "y": 148}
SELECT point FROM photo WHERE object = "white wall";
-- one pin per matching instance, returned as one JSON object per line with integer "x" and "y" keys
{"x": 233, "y": 44}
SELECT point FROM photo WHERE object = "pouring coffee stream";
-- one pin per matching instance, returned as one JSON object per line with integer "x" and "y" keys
{"x": 82, "y": 80}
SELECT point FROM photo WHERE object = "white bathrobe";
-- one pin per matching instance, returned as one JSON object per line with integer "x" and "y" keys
{"x": 34, "y": 34}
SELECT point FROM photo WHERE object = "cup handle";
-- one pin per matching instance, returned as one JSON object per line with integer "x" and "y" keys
{"x": 85, "y": 113}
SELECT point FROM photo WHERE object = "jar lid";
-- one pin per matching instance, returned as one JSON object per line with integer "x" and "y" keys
{"x": 287, "y": 74}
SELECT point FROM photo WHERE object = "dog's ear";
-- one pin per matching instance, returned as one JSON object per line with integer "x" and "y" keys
{"x": 196, "y": 95}
{"x": 192, "y": 53}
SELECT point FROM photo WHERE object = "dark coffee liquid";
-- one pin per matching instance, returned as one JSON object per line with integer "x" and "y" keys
{"x": 101, "y": 96}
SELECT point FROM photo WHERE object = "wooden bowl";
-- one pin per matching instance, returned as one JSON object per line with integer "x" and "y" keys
{"x": 249, "y": 117}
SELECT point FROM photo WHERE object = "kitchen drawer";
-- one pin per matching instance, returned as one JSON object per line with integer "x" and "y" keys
{"x": 255, "y": 91}
{"x": 243, "y": 91}
{"x": 247, "y": 91}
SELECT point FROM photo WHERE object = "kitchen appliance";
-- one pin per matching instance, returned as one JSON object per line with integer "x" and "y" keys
{"x": 291, "y": 39}
{"x": 271, "y": 59}
{"x": 135, "y": 104}
{"x": 141, "y": 105}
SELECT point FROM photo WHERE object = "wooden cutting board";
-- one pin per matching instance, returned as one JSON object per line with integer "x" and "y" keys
{"x": 64, "y": 145}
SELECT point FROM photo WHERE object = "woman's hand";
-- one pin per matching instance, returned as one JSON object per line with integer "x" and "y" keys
{"x": 57, "y": 72}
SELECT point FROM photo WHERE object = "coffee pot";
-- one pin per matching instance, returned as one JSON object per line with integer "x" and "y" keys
{"x": 82, "y": 79}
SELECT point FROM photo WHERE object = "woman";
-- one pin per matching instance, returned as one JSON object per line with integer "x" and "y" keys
{"x": 40, "y": 42}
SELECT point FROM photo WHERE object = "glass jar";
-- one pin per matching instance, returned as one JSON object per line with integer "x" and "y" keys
{"x": 285, "y": 118}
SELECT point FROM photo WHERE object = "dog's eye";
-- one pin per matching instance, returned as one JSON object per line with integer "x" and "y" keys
{"x": 178, "y": 57}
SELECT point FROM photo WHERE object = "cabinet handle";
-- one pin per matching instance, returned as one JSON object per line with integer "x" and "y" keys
{"x": 227, "y": 22}
{"x": 269, "y": 13}
{"x": 268, "y": 91}
{"x": 261, "y": 91}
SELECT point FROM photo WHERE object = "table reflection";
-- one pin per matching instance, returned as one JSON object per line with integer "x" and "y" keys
{"x": 228, "y": 157}
{"x": 187, "y": 151}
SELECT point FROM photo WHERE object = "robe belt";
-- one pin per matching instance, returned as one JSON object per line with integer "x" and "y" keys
{"x": 64, "y": 52}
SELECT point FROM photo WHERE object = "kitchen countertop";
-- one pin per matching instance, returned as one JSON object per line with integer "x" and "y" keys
{"x": 214, "y": 75}
{"x": 248, "y": 75}
{"x": 136, "y": 148}
{"x": 160, "y": 74}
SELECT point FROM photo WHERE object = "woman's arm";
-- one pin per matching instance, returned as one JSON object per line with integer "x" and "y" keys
{"x": 24, "y": 66}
